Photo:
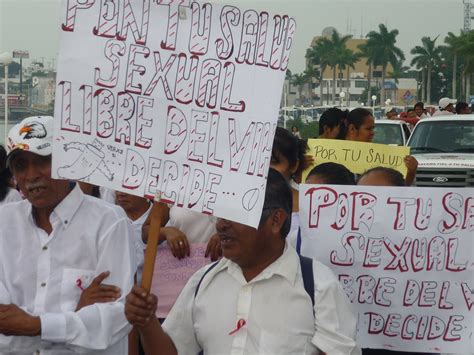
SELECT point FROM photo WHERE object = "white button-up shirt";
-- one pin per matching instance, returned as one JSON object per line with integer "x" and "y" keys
{"x": 12, "y": 196}
{"x": 139, "y": 245}
{"x": 274, "y": 312}
{"x": 44, "y": 274}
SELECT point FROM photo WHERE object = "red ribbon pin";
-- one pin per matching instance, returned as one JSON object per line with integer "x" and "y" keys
{"x": 79, "y": 284}
{"x": 240, "y": 324}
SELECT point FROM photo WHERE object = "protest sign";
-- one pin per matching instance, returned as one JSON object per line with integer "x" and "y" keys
{"x": 171, "y": 97}
{"x": 404, "y": 257}
{"x": 171, "y": 274}
{"x": 358, "y": 157}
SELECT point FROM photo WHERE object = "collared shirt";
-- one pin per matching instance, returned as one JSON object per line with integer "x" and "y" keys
{"x": 140, "y": 246}
{"x": 44, "y": 274}
{"x": 442, "y": 113}
{"x": 271, "y": 314}
{"x": 12, "y": 196}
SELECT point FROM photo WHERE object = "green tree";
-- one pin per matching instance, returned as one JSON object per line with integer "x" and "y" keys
{"x": 13, "y": 70}
{"x": 348, "y": 60}
{"x": 367, "y": 50}
{"x": 451, "y": 53}
{"x": 310, "y": 73}
{"x": 399, "y": 70}
{"x": 426, "y": 57}
{"x": 386, "y": 51}
{"x": 318, "y": 55}
{"x": 299, "y": 80}
{"x": 337, "y": 45}
{"x": 467, "y": 52}
{"x": 364, "y": 97}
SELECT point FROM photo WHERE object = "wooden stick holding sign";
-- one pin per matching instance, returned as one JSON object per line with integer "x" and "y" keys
{"x": 157, "y": 214}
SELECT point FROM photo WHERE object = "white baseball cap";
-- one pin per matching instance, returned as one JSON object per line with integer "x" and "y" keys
{"x": 445, "y": 101}
{"x": 33, "y": 134}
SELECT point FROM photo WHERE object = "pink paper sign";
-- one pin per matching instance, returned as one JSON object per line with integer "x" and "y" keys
{"x": 171, "y": 274}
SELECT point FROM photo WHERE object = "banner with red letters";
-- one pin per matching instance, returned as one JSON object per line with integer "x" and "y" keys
{"x": 404, "y": 257}
{"x": 173, "y": 98}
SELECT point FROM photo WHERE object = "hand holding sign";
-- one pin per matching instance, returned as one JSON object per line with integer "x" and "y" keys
{"x": 358, "y": 156}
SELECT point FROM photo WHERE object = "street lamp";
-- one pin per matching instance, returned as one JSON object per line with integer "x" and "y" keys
{"x": 342, "y": 95}
{"x": 6, "y": 59}
{"x": 374, "y": 99}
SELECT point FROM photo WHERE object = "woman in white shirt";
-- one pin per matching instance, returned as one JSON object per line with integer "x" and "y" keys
{"x": 7, "y": 193}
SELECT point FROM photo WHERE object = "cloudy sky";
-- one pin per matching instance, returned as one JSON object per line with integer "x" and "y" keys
{"x": 33, "y": 24}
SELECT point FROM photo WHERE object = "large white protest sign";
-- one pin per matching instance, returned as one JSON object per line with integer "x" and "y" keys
{"x": 404, "y": 257}
{"x": 172, "y": 97}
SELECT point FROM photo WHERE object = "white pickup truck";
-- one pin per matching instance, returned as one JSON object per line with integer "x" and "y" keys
{"x": 444, "y": 148}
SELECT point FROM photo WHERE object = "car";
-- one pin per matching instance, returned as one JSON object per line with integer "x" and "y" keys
{"x": 393, "y": 132}
{"x": 444, "y": 148}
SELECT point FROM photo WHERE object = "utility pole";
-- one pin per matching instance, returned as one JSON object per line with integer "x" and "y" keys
{"x": 467, "y": 15}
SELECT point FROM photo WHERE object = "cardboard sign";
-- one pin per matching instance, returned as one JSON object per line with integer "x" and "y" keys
{"x": 358, "y": 157}
{"x": 171, "y": 274}
{"x": 404, "y": 257}
{"x": 171, "y": 97}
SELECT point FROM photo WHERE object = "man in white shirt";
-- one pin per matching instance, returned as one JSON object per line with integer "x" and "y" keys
{"x": 253, "y": 301}
{"x": 137, "y": 210}
{"x": 446, "y": 107}
{"x": 52, "y": 246}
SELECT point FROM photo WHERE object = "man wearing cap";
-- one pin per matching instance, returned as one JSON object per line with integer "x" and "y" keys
{"x": 446, "y": 107}
{"x": 53, "y": 246}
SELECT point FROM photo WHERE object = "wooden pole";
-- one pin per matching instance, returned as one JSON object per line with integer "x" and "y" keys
{"x": 156, "y": 216}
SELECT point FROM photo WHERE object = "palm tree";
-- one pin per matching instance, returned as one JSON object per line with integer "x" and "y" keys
{"x": 337, "y": 45}
{"x": 318, "y": 55}
{"x": 386, "y": 51}
{"x": 299, "y": 80}
{"x": 466, "y": 50}
{"x": 452, "y": 48}
{"x": 348, "y": 60}
{"x": 289, "y": 78}
{"x": 425, "y": 58}
{"x": 311, "y": 73}
{"x": 398, "y": 71}
{"x": 367, "y": 50}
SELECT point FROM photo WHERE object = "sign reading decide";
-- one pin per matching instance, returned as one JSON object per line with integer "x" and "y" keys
{"x": 171, "y": 97}
{"x": 405, "y": 258}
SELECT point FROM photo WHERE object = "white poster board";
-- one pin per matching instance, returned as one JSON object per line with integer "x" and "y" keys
{"x": 171, "y": 96}
{"x": 405, "y": 258}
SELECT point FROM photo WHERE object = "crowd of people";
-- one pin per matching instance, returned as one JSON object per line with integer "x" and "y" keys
{"x": 71, "y": 261}
{"x": 446, "y": 107}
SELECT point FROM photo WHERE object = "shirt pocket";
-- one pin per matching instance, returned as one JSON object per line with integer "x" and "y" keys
{"x": 287, "y": 344}
{"x": 73, "y": 283}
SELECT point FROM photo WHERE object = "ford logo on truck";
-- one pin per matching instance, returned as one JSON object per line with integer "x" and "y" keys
{"x": 444, "y": 149}
{"x": 440, "y": 179}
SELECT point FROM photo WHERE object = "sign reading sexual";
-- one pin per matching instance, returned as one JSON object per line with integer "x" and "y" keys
{"x": 171, "y": 98}
{"x": 404, "y": 257}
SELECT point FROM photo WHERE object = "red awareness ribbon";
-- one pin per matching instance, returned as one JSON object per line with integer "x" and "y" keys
{"x": 240, "y": 324}
{"x": 79, "y": 284}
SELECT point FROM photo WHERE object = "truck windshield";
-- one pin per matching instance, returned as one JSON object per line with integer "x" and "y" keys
{"x": 387, "y": 133}
{"x": 443, "y": 137}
